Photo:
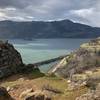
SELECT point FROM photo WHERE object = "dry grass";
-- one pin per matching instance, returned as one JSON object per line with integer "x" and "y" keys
{"x": 22, "y": 83}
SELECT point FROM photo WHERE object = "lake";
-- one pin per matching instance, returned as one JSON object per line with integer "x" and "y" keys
{"x": 43, "y": 49}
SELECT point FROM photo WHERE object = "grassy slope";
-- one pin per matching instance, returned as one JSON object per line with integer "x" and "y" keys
{"x": 36, "y": 81}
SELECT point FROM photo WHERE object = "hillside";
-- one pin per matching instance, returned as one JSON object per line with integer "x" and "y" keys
{"x": 80, "y": 79}
{"x": 40, "y": 29}
{"x": 87, "y": 57}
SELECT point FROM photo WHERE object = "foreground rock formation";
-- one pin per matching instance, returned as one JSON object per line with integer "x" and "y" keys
{"x": 85, "y": 58}
{"x": 9, "y": 56}
{"x": 10, "y": 59}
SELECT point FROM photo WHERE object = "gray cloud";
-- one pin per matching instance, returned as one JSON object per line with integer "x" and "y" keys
{"x": 85, "y": 11}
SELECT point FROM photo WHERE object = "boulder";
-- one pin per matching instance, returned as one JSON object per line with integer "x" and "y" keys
{"x": 4, "y": 94}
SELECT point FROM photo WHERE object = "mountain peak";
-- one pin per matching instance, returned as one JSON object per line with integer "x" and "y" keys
{"x": 41, "y": 29}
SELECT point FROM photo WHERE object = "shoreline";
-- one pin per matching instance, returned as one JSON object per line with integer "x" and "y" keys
{"x": 28, "y": 66}
{"x": 49, "y": 61}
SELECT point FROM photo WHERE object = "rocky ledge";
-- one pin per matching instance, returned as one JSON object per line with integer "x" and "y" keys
{"x": 85, "y": 58}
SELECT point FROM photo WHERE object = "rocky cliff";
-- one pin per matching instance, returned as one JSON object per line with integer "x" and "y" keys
{"x": 10, "y": 59}
{"x": 85, "y": 58}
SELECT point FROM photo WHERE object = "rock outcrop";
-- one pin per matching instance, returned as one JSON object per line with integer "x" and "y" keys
{"x": 4, "y": 95}
{"x": 86, "y": 57}
{"x": 10, "y": 59}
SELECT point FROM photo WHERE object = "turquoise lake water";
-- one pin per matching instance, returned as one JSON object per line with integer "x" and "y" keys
{"x": 43, "y": 49}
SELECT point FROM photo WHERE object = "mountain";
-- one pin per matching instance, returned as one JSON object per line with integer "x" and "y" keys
{"x": 41, "y": 29}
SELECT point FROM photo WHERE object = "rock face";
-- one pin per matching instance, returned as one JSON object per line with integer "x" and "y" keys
{"x": 86, "y": 57}
{"x": 10, "y": 59}
{"x": 4, "y": 94}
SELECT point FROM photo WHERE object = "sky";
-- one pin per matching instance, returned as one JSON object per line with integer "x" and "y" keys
{"x": 82, "y": 11}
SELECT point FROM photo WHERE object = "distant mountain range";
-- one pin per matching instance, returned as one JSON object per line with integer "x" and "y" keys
{"x": 41, "y": 29}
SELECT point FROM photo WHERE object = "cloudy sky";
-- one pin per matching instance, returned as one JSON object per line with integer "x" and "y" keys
{"x": 84, "y": 11}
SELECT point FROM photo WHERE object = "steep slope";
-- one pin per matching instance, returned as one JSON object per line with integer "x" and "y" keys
{"x": 10, "y": 59}
{"x": 40, "y": 29}
{"x": 85, "y": 58}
